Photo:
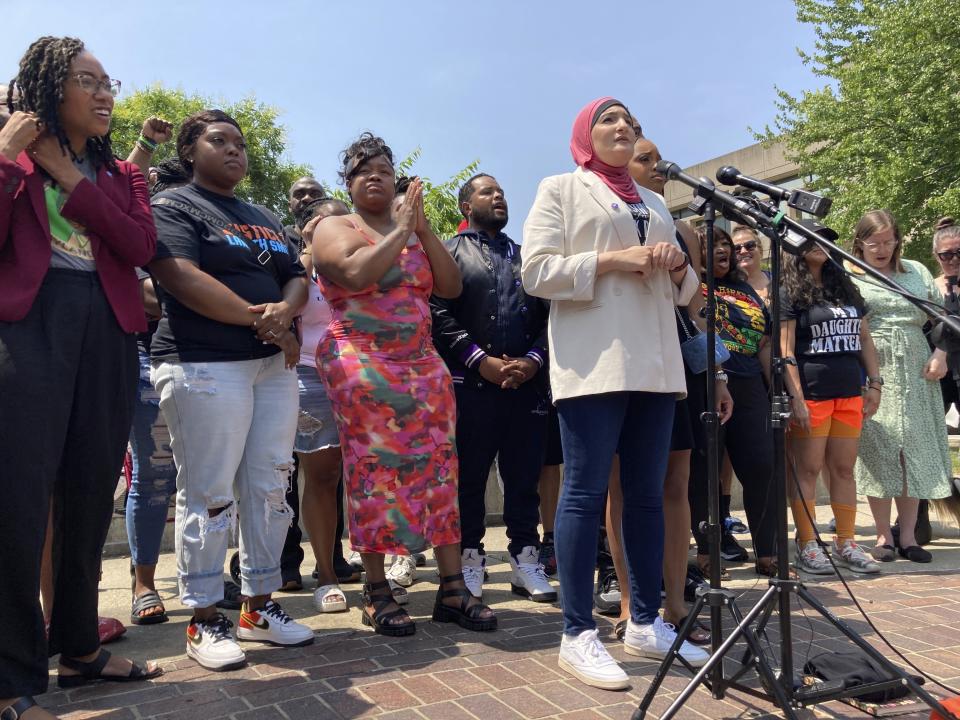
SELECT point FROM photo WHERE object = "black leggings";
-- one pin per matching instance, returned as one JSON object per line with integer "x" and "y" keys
{"x": 748, "y": 438}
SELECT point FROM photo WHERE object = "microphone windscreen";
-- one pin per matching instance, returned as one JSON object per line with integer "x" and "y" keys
{"x": 728, "y": 175}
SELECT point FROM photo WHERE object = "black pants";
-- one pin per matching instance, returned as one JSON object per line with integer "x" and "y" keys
{"x": 748, "y": 438}
{"x": 292, "y": 555}
{"x": 68, "y": 380}
{"x": 511, "y": 426}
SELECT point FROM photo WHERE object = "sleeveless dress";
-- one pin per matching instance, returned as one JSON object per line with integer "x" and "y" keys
{"x": 393, "y": 401}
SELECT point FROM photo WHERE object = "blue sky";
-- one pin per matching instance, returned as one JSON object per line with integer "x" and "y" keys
{"x": 499, "y": 81}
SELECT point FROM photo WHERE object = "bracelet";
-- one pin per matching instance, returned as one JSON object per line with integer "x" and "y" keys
{"x": 682, "y": 266}
{"x": 146, "y": 144}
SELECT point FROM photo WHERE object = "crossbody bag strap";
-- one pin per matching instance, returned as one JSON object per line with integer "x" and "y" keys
{"x": 264, "y": 257}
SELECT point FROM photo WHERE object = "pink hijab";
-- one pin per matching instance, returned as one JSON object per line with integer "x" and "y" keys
{"x": 581, "y": 145}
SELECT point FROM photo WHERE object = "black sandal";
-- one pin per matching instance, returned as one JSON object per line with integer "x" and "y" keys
{"x": 620, "y": 629}
{"x": 148, "y": 601}
{"x": 18, "y": 707}
{"x": 380, "y": 621}
{"x": 466, "y": 616}
{"x": 93, "y": 671}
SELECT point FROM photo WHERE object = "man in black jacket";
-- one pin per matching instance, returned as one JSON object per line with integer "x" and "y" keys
{"x": 494, "y": 338}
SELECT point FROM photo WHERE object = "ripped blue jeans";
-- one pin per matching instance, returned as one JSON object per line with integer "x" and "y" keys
{"x": 154, "y": 477}
{"x": 232, "y": 426}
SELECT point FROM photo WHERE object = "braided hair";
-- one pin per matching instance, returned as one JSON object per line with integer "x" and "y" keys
{"x": 170, "y": 174}
{"x": 44, "y": 70}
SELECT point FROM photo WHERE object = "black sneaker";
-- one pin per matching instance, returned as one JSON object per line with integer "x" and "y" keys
{"x": 548, "y": 558}
{"x": 606, "y": 599}
{"x": 694, "y": 580}
{"x": 346, "y": 573}
{"x": 731, "y": 550}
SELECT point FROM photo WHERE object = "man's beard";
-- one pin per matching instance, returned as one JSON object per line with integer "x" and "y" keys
{"x": 488, "y": 221}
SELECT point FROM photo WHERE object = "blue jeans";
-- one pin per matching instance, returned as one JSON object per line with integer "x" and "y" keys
{"x": 154, "y": 477}
{"x": 637, "y": 426}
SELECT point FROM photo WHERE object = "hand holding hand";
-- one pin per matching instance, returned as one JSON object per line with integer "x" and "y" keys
{"x": 493, "y": 370}
{"x": 274, "y": 320}
{"x": 20, "y": 131}
{"x": 520, "y": 370}
{"x": 637, "y": 258}
{"x": 157, "y": 129}
{"x": 288, "y": 342}
{"x": 666, "y": 256}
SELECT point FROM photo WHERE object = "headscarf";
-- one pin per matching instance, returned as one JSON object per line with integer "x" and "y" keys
{"x": 581, "y": 145}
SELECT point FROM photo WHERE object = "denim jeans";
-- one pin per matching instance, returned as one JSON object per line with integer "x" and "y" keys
{"x": 637, "y": 426}
{"x": 154, "y": 477}
{"x": 232, "y": 426}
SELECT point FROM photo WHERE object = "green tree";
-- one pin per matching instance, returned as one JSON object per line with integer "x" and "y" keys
{"x": 439, "y": 199}
{"x": 884, "y": 132}
{"x": 269, "y": 174}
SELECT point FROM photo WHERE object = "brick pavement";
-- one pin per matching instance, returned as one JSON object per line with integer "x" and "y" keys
{"x": 444, "y": 673}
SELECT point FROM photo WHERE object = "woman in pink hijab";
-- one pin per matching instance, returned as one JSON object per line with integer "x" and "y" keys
{"x": 603, "y": 251}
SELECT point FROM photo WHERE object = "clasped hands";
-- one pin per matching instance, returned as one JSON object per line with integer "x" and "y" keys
{"x": 272, "y": 326}
{"x": 507, "y": 372}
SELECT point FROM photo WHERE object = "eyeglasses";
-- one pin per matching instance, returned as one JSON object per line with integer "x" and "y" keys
{"x": 90, "y": 85}
{"x": 748, "y": 246}
{"x": 949, "y": 255}
{"x": 885, "y": 245}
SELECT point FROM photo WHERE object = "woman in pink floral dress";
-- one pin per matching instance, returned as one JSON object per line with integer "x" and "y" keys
{"x": 391, "y": 392}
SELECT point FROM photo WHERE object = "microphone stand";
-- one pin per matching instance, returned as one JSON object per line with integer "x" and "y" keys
{"x": 782, "y": 687}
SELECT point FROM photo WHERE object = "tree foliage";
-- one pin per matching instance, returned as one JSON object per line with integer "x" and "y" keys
{"x": 439, "y": 199}
{"x": 269, "y": 175}
{"x": 884, "y": 132}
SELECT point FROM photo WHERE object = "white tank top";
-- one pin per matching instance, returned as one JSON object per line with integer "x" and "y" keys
{"x": 313, "y": 324}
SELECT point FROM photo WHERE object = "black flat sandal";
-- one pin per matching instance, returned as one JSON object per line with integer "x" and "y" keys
{"x": 93, "y": 672}
{"x": 149, "y": 600}
{"x": 466, "y": 616}
{"x": 16, "y": 709}
{"x": 380, "y": 620}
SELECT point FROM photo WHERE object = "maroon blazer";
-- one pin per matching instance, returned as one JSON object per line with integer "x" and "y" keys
{"x": 116, "y": 214}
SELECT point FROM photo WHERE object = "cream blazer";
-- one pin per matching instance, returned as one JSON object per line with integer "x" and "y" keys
{"x": 612, "y": 333}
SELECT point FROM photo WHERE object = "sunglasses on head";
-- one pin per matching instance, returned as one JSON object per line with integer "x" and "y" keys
{"x": 748, "y": 246}
{"x": 949, "y": 255}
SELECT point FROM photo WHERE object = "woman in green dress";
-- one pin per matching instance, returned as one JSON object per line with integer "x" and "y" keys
{"x": 903, "y": 449}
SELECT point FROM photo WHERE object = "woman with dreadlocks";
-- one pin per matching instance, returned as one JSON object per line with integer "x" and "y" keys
{"x": 74, "y": 223}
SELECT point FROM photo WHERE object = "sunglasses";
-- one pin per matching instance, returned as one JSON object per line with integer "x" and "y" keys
{"x": 949, "y": 255}
{"x": 748, "y": 246}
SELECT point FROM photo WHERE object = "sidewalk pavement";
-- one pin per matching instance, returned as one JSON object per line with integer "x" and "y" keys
{"x": 444, "y": 673}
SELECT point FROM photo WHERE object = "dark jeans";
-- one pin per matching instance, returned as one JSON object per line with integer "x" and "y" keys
{"x": 68, "y": 380}
{"x": 748, "y": 438}
{"x": 637, "y": 426}
{"x": 511, "y": 426}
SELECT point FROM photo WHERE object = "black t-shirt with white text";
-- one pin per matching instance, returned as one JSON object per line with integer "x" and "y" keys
{"x": 827, "y": 348}
{"x": 225, "y": 252}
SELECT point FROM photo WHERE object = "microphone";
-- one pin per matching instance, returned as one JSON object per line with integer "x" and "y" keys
{"x": 808, "y": 202}
{"x": 742, "y": 210}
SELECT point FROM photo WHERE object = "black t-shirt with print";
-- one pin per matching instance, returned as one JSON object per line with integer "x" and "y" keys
{"x": 224, "y": 252}
{"x": 827, "y": 348}
{"x": 742, "y": 323}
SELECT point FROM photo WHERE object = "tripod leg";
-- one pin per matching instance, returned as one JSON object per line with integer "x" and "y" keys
{"x": 878, "y": 657}
{"x": 760, "y": 631}
{"x": 766, "y": 672}
{"x": 668, "y": 660}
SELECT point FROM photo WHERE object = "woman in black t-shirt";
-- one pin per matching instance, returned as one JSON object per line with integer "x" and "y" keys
{"x": 825, "y": 331}
{"x": 742, "y": 324}
{"x": 222, "y": 360}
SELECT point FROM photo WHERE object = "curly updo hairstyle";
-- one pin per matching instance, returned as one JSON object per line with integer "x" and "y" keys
{"x": 38, "y": 89}
{"x": 193, "y": 128}
{"x": 360, "y": 151}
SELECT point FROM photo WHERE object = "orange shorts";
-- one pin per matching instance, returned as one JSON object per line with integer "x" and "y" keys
{"x": 839, "y": 418}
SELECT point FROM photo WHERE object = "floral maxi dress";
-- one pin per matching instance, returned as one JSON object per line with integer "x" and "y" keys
{"x": 393, "y": 401}
{"x": 910, "y": 417}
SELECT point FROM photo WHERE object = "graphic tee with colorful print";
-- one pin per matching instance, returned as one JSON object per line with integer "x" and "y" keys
{"x": 742, "y": 322}
{"x": 68, "y": 240}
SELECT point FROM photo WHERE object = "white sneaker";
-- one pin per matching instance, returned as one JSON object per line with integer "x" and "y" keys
{"x": 354, "y": 559}
{"x": 403, "y": 571}
{"x": 853, "y": 556}
{"x": 270, "y": 624}
{"x": 654, "y": 641}
{"x": 212, "y": 646}
{"x": 529, "y": 578}
{"x": 473, "y": 564}
{"x": 812, "y": 559}
{"x": 400, "y": 594}
{"x": 585, "y": 657}
{"x": 329, "y": 598}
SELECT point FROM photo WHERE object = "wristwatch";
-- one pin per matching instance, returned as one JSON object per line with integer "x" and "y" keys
{"x": 875, "y": 380}
{"x": 721, "y": 376}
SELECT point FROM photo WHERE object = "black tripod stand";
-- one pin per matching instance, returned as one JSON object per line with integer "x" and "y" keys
{"x": 779, "y": 685}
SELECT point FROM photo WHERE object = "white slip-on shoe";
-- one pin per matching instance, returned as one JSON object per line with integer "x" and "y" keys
{"x": 528, "y": 578}
{"x": 473, "y": 563}
{"x": 329, "y": 598}
{"x": 654, "y": 641}
{"x": 585, "y": 657}
{"x": 271, "y": 625}
{"x": 211, "y": 644}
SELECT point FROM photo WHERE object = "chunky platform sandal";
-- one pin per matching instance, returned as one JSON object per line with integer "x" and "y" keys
{"x": 93, "y": 672}
{"x": 466, "y": 616}
{"x": 379, "y": 595}
{"x": 16, "y": 709}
